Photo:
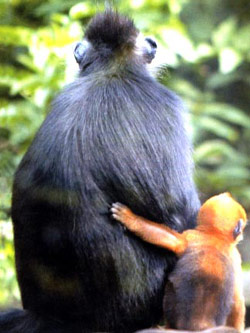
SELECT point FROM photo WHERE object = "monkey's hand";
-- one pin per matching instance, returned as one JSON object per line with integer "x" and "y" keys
{"x": 123, "y": 214}
{"x": 149, "y": 231}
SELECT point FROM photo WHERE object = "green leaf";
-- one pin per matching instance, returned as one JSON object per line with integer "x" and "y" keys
{"x": 9, "y": 75}
{"x": 236, "y": 173}
{"x": 213, "y": 151}
{"x": 222, "y": 35}
{"x": 186, "y": 88}
{"x": 220, "y": 80}
{"x": 13, "y": 35}
{"x": 81, "y": 10}
{"x": 218, "y": 128}
{"x": 228, "y": 112}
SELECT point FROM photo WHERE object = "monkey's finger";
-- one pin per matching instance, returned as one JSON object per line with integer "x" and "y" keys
{"x": 117, "y": 217}
{"x": 115, "y": 210}
{"x": 119, "y": 209}
{"x": 118, "y": 205}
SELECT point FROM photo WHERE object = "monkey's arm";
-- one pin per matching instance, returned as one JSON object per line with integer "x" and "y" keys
{"x": 149, "y": 231}
{"x": 236, "y": 317}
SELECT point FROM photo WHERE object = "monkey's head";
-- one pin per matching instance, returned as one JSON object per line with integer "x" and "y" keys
{"x": 224, "y": 215}
{"x": 112, "y": 41}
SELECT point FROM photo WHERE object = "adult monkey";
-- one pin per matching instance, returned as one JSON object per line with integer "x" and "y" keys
{"x": 114, "y": 134}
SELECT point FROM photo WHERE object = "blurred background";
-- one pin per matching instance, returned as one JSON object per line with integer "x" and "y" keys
{"x": 204, "y": 45}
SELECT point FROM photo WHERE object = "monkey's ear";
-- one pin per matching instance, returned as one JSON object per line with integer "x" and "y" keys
{"x": 238, "y": 229}
{"x": 146, "y": 48}
{"x": 152, "y": 48}
{"x": 80, "y": 50}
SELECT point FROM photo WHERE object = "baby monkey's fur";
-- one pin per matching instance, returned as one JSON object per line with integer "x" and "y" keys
{"x": 205, "y": 288}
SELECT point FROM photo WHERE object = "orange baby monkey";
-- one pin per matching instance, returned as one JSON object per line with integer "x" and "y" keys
{"x": 205, "y": 288}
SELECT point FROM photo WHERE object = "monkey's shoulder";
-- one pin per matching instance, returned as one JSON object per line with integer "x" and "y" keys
{"x": 206, "y": 260}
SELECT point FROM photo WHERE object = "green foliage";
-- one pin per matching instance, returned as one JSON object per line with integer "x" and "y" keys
{"x": 205, "y": 46}
{"x": 9, "y": 293}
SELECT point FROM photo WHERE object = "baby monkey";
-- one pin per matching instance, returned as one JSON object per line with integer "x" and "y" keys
{"x": 205, "y": 288}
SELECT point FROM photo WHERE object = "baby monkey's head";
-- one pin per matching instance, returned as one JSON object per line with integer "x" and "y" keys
{"x": 225, "y": 215}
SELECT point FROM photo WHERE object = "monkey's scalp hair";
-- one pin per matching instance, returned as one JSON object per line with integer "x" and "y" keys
{"x": 111, "y": 30}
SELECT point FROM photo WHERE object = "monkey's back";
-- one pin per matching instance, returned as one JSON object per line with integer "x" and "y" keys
{"x": 201, "y": 289}
{"x": 107, "y": 139}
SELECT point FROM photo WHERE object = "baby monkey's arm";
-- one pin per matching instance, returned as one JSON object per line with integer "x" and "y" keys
{"x": 149, "y": 231}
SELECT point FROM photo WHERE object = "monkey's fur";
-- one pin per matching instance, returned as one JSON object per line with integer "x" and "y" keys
{"x": 114, "y": 134}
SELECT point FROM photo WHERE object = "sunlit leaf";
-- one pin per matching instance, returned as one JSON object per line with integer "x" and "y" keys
{"x": 222, "y": 34}
{"x": 80, "y": 10}
{"x": 12, "y": 35}
{"x": 229, "y": 59}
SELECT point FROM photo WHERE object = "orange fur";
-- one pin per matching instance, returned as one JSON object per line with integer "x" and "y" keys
{"x": 220, "y": 223}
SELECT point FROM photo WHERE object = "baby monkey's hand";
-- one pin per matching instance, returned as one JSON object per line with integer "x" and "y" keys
{"x": 123, "y": 214}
